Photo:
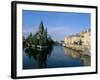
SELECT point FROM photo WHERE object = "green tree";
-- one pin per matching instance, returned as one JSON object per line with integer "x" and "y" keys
{"x": 29, "y": 39}
{"x": 41, "y": 37}
{"x": 80, "y": 42}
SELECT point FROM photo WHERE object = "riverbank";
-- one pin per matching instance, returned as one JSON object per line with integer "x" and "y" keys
{"x": 85, "y": 50}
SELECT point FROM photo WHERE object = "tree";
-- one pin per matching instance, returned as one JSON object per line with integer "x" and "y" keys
{"x": 80, "y": 42}
{"x": 41, "y": 37}
{"x": 29, "y": 39}
{"x": 24, "y": 42}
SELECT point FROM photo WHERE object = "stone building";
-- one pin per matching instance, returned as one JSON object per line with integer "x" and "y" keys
{"x": 87, "y": 38}
{"x": 73, "y": 39}
{"x": 80, "y": 40}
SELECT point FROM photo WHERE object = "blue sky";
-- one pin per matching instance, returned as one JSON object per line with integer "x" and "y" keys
{"x": 59, "y": 24}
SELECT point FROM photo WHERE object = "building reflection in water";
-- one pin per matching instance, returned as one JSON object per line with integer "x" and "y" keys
{"x": 76, "y": 54}
{"x": 39, "y": 55}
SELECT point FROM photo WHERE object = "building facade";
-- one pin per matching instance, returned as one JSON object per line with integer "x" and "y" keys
{"x": 80, "y": 40}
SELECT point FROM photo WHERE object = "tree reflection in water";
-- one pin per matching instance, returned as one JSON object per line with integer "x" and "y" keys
{"x": 76, "y": 54}
{"x": 39, "y": 55}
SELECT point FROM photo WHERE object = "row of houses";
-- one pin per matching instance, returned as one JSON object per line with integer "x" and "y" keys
{"x": 82, "y": 39}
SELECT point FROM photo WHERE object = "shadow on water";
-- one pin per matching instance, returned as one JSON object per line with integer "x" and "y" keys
{"x": 53, "y": 57}
{"x": 76, "y": 54}
{"x": 39, "y": 55}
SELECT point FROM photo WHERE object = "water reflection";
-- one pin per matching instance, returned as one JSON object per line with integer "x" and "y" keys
{"x": 72, "y": 53}
{"x": 86, "y": 59}
{"x": 76, "y": 54}
{"x": 39, "y": 55}
{"x": 54, "y": 56}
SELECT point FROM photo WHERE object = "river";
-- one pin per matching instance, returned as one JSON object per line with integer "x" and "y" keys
{"x": 54, "y": 57}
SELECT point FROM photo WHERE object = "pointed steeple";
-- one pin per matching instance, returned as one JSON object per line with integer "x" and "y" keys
{"x": 41, "y": 27}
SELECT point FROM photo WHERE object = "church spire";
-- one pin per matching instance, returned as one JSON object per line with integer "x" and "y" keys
{"x": 41, "y": 27}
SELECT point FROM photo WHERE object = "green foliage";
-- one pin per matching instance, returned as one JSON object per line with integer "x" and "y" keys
{"x": 40, "y": 38}
{"x": 80, "y": 42}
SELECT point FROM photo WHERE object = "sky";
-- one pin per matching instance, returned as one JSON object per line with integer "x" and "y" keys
{"x": 59, "y": 24}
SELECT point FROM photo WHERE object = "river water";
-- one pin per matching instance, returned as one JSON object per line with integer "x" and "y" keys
{"x": 54, "y": 57}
